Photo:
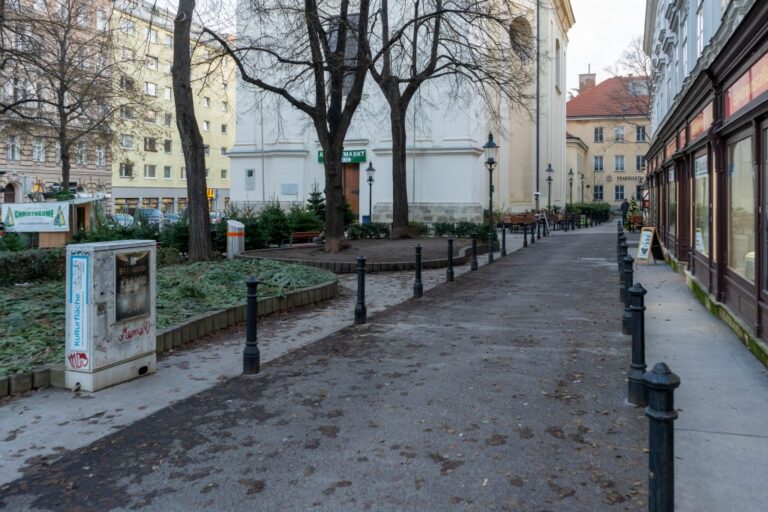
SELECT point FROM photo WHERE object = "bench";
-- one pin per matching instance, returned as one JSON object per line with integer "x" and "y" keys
{"x": 308, "y": 236}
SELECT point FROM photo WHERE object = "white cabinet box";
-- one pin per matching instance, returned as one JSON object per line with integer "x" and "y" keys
{"x": 110, "y": 313}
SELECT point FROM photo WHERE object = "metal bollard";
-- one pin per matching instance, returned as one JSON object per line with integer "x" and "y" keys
{"x": 525, "y": 235}
{"x": 503, "y": 241}
{"x": 661, "y": 384}
{"x": 251, "y": 354}
{"x": 533, "y": 235}
{"x": 449, "y": 270}
{"x": 626, "y": 323}
{"x": 622, "y": 251}
{"x": 418, "y": 286}
{"x": 360, "y": 310}
{"x": 473, "y": 262}
{"x": 636, "y": 393}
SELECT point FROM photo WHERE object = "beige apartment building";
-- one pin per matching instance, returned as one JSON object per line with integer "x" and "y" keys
{"x": 148, "y": 167}
{"x": 607, "y": 138}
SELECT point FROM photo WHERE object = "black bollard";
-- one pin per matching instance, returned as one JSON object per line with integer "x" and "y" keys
{"x": 473, "y": 262}
{"x": 449, "y": 270}
{"x": 661, "y": 384}
{"x": 418, "y": 287}
{"x": 622, "y": 251}
{"x": 525, "y": 235}
{"x": 533, "y": 235}
{"x": 503, "y": 241}
{"x": 251, "y": 354}
{"x": 636, "y": 393}
{"x": 361, "y": 312}
{"x": 626, "y": 324}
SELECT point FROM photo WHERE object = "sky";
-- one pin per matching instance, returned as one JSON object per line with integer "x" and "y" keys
{"x": 602, "y": 31}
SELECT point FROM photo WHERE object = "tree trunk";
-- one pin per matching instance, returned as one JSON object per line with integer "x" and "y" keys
{"x": 334, "y": 198}
{"x": 66, "y": 166}
{"x": 399, "y": 178}
{"x": 191, "y": 140}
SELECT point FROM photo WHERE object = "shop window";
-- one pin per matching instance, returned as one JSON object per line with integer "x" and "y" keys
{"x": 701, "y": 205}
{"x": 671, "y": 204}
{"x": 167, "y": 205}
{"x": 741, "y": 218}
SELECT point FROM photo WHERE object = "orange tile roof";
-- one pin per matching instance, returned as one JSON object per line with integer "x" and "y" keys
{"x": 610, "y": 98}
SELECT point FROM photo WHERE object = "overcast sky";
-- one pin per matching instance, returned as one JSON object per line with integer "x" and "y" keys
{"x": 602, "y": 31}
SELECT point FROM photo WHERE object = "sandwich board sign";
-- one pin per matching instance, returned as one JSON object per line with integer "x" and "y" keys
{"x": 649, "y": 245}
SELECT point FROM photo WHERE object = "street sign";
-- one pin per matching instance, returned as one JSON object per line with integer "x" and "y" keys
{"x": 348, "y": 156}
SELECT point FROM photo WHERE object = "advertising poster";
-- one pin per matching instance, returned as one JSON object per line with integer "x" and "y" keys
{"x": 36, "y": 217}
{"x": 132, "y": 285}
{"x": 79, "y": 304}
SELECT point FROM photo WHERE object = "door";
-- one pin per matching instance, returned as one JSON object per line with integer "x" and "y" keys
{"x": 350, "y": 178}
{"x": 9, "y": 195}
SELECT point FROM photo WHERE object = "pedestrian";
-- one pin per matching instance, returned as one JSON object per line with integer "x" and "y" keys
{"x": 624, "y": 211}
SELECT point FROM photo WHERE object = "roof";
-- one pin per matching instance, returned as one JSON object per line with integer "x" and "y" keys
{"x": 618, "y": 96}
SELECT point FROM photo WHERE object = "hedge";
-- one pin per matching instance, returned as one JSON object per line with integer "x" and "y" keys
{"x": 32, "y": 265}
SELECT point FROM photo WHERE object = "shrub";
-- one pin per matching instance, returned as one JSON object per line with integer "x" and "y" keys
{"x": 12, "y": 242}
{"x": 274, "y": 223}
{"x": 372, "y": 230}
{"x": 176, "y": 236}
{"x": 417, "y": 229}
{"x": 302, "y": 218}
{"x": 316, "y": 202}
{"x": 168, "y": 256}
{"x": 442, "y": 228}
{"x": 32, "y": 265}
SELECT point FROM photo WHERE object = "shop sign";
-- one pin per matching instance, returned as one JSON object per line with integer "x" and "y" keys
{"x": 36, "y": 217}
{"x": 630, "y": 178}
{"x": 79, "y": 306}
{"x": 348, "y": 156}
{"x": 749, "y": 86}
{"x": 211, "y": 193}
{"x": 701, "y": 122}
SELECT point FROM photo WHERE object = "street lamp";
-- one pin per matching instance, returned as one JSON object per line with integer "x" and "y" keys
{"x": 582, "y": 187}
{"x": 370, "y": 171}
{"x": 491, "y": 150}
{"x": 570, "y": 181}
{"x": 549, "y": 187}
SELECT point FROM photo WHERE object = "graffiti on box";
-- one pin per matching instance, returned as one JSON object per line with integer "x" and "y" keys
{"x": 77, "y": 360}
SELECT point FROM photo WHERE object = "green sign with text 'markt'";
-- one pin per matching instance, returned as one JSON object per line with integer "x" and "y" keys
{"x": 349, "y": 156}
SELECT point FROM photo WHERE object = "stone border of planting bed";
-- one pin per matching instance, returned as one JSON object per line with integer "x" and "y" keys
{"x": 343, "y": 267}
{"x": 179, "y": 335}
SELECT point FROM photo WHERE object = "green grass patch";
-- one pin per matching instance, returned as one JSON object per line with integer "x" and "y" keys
{"x": 32, "y": 319}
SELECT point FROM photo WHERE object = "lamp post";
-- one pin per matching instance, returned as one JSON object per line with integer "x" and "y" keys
{"x": 370, "y": 171}
{"x": 570, "y": 181}
{"x": 491, "y": 150}
{"x": 582, "y": 187}
{"x": 549, "y": 187}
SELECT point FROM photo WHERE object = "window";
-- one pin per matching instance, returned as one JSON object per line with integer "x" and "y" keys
{"x": 701, "y": 205}
{"x": 206, "y": 102}
{"x": 599, "y": 134}
{"x": 167, "y": 67}
{"x": 639, "y": 162}
{"x": 640, "y": 135}
{"x": 126, "y": 170}
{"x": 224, "y": 128}
{"x": 168, "y": 93}
{"x": 618, "y": 162}
{"x": 639, "y": 192}
{"x": 223, "y": 174}
{"x": 169, "y": 40}
{"x": 618, "y": 192}
{"x": 168, "y": 145}
{"x": 150, "y": 117}
{"x": 149, "y": 171}
{"x": 167, "y": 172}
{"x": 183, "y": 173}
{"x": 80, "y": 153}
{"x": 207, "y": 149}
{"x": 741, "y": 212}
{"x": 671, "y": 203}
{"x": 150, "y": 89}
{"x": 168, "y": 120}
{"x": 598, "y": 162}
{"x": 700, "y": 30}
{"x": 598, "y": 192}
{"x": 12, "y": 148}
{"x": 618, "y": 134}
{"x": 38, "y": 150}
{"x": 250, "y": 180}
{"x": 558, "y": 66}
{"x": 126, "y": 141}
{"x": 126, "y": 112}
{"x": 150, "y": 144}
{"x": 206, "y": 126}
{"x": 126, "y": 54}
{"x": 223, "y": 151}
{"x": 684, "y": 55}
{"x": 127, "y": 26}
{"x": 101, "y": 20}
{"x": 224, "y": 106}
{"x": 127, "y": 84}
{"x": 152, "y": 35}
{"x": 151, "y": 62}
{"x": 101, "y": 156}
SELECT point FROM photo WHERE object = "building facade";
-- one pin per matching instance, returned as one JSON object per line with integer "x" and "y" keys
{"x": 707, "y": 166}
{"x": 611, "y": 120}
{"x": 277, "y": 156}
{"x": 148, "y": 168}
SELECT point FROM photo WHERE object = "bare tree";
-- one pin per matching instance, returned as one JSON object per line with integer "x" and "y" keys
{"x": 481, "y": 44}
{"x": 311, "y": 54}
{"x": 60, "y": 74}
{"x": 632, "y": 102}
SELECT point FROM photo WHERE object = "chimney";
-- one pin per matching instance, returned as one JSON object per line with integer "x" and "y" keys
{"x": 586, "y": 81}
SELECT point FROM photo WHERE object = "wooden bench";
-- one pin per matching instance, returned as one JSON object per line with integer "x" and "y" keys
{"x": 308, "y": 236}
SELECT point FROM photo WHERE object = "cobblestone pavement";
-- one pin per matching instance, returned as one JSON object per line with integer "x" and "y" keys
{"x": 501, "y": 391}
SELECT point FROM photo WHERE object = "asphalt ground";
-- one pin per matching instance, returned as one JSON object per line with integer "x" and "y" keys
{"x": 501, "y": 391}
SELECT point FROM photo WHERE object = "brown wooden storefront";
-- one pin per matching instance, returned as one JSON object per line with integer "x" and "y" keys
{"x": 708, "y": 176}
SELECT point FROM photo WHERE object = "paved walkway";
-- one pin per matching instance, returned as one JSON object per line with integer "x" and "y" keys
{"x": 502, "y": 391}
{"x": 721, "y": 436}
